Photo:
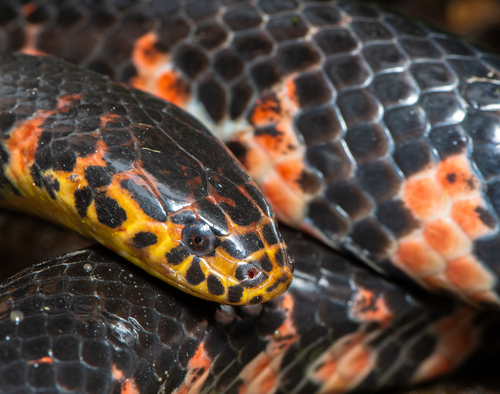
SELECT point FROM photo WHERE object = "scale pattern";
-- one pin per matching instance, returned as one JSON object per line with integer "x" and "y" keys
{"x": 372, "y": 132}
{"x": 137, "y": 175}
{"x": 90, "y": 322}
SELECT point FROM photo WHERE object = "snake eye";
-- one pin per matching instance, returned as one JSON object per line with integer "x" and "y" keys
{"x": 198, "y": 237}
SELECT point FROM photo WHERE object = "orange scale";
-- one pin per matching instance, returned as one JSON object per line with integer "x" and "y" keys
{"x": 469, "y": 275}
{"x": 446, "y": 238}
{"x": 172, "y": 87}
{"x": 488, "y": 297}
{"x": 282, "y": 143}
{"x": 291, "y": 93}
{"x": 145, "y": 56}
{"x": 456, "y": 177}
{"x": 289, "y": 206}
{"x": 416, "y": 256}
{"x": 436, "y": 365}
{"x": 424, "y": 196}
{"x": 469, "y": 215}
{"x": 266, "y": 111}
{"x": 439, "y": 282}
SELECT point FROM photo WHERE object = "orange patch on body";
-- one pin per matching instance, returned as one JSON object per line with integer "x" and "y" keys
{"x": 468, "y": 274}
{"x": 289, "y": 207}
{"x": 145, "y": 54}
{"x": 457, "y": 336}
{"x": 291, "y": 93}
{"x": 445, "y": 237}
{"x": 43, "y": 360}
{"x": 267, "y": 110}
{"x": 23, "y": 143}
{"x": 172, "y": 87}
{"x": 291, "y": 171}
{"x": 416, "y": 256}
{"x": 28, "y": 8}
{"x": 66, "y": 101}
{"x": 424, "y": 196}
{"x": 367, "y": 307}
{"x": 282, "y": 143}
{"x": 455, "y": 176}
{"x": 467, "y": 214}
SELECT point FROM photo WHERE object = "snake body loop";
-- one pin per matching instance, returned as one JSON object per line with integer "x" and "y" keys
{"x": 373, "y": 133}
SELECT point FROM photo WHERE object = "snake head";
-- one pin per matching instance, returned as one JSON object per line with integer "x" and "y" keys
{"x": 227, "y": 247}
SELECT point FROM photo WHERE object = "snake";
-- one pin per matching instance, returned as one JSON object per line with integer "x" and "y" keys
{"x": 371, "y": 132}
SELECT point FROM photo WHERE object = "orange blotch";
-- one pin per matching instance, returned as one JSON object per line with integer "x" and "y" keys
{"x": 279, "y": 143}
{"x": 468, "y": 274}
{"x": 416, "y": 255}
{"x": 487, "y": 297}
{"x": 28, "y": 8}
{"x": 291, "y": 92}
{"x": 467, "y": 214}
{"x": 145, "y": 54}
{"x": 291, "y": 171}
{"x": 23, "y": 141}
{"x": 455, "y": 176}
{"x": 424, "y": 196}
{"x": 264, "y": 383}
{"x": 446, "y": 238}
{"x": 325, "y": 369}
{"x": 171, "y": 87}
{"x": 367, "y": 307}
{"x": 67, "y": 100}
{"x": 439, "y": 282}
{"x": 289, "y": 206}
{"x": 354, "y": 362}
{"x": 43, "y": 360}
{"x": 267, "y": 110}
{"x": 437, "y": 365}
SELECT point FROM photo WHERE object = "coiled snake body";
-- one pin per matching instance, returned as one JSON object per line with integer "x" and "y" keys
{"x": 373, "y": 133}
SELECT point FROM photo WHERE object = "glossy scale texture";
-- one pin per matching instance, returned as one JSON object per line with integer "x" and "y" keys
{"x": 134, "y": 173}
{"x": 90, "y": 322}
{"x": 374, "y": 133}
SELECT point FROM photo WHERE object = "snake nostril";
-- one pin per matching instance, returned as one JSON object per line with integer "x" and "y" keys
{"x": 252, "y": 273}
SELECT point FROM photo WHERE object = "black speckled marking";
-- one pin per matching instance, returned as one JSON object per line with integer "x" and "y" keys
{"x": 144, "y": 238}
{"x": 177, "y": 255}
{"x": 234, "y": 293}
{"x": 486, "y": 217}
{"x": 83, "y": 199}
{"x": 109, "y": 211}
{"x": 214, "y": 285}
{"x": 147, "y": 201}
{"x": 97, "y": 176}
{"x": 195, "y": 275}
